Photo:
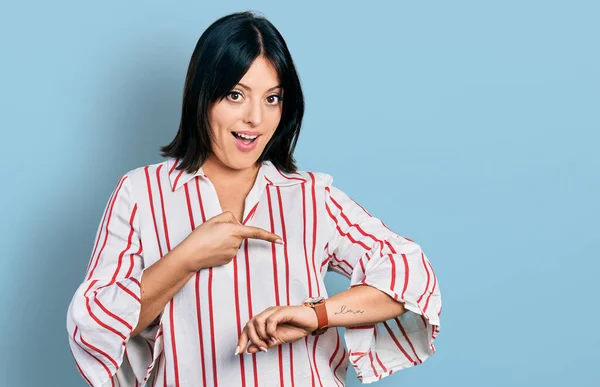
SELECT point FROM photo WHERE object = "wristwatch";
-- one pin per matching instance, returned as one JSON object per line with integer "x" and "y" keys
{"x": 318, "y": 304}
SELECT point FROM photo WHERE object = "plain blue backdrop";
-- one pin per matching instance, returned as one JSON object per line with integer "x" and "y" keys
{"x": 471, "y": 128}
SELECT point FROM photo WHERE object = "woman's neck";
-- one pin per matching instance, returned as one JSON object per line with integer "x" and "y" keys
{"x": 223, "y": 175}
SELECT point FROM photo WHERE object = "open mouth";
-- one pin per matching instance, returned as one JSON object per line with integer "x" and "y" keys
{"x": 246, "y": 139}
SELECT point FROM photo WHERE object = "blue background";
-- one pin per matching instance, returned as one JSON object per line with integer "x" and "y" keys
{"x": 471, "y": 128}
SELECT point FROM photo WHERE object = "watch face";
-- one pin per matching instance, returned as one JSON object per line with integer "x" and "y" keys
{"x": 314, "y": 300}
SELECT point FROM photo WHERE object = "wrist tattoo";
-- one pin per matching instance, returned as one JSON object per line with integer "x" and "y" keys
{"x": 343, "y": 310}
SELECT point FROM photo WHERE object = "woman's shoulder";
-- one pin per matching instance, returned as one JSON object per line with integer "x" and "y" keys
{"x": 142, "y": 176}
{"x": 310, "y": 177}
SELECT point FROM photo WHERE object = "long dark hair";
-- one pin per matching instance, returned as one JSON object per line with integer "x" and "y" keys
{"x": 222, "y": 56}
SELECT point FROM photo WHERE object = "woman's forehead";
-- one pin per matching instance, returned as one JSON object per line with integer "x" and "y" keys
{"x": 261, "y": 76}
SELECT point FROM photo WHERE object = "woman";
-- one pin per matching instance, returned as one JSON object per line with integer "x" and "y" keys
{"x": 208, "y": 268}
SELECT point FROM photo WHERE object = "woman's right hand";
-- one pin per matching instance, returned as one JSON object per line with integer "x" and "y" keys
{"x": 217, "y": 241}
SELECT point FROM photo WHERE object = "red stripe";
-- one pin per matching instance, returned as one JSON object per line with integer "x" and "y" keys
{"x": 177, "y": 179}
{"x": 432, "y": 290}
{"x": 93, "y": 316}
{"x": 314, "y": 241}
{"x": 250, "y": 213}
{"x": 370, "y": 216}
{"x": 275, "y": 279}
{"x": 237, "y": 315}
{"x": 291, "y": 178}
{"x": 287, "y": 274}
{"x": 198, "y": 311}
{"x": 361, "y": 327}
{"x": 406, "y": 271}
{"x": 150, "y": 348}
{"x": 106, "y": 355}
{"x": 314, "y": 244}
{"x": 285, "y": 252}
{"x": 325, "y": 262}
{"x": 120, "y": 260}
{"x": 88, "y": 352}
{"x": 335, "y": 351}
{"x": 348, "y": 270}
{"x": 362, "y": 265}
{"x": 343, "y": 234}
{"x": 151, "y": 202}
{"x": 119, "y": 319}
{"x": 200, "y": 335}
{"x": 389, "y": 330}
{"x": 132, "y": 261}
{"x": 82, "y": 374}
{"x": 189, "y": 207}
{"x": 342, "y": 358}
{"x": 250, "y": 313}
{"x": 157, "y": 371}
{"x": 212, "y": 324}
{"x": 372, "y": 365}
{"x": 110, "y": 200}
{"x": 407, "y": 339}
{"x": 106, "y": 229}
{"x": 393, "y": 274}
{"x": 200, "y": 200}
{"x": 354, "y": 225}
{"x": 308, "y": 279}
{"x": 173, "y": 166}
{"x": 132, "y": 294}
{"x": 135, "y": 281}
{"x": 304, "y": 242}
{"x": 427, "y": 284}
{"x": 376, "y": 354}
{"x": 162, "y": 207}
{"x": 315, "y": 359}
{"x": 171, "y": 304}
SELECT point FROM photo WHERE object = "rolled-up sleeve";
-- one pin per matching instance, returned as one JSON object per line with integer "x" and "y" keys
{"x": 363, "y": 249}
{"x": 106, "y": 307}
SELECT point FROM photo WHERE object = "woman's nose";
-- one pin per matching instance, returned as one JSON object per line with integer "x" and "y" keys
{"x": 254, "y": 113}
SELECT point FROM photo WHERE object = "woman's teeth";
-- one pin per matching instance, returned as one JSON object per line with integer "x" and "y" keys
{"x": 245, "y": 136}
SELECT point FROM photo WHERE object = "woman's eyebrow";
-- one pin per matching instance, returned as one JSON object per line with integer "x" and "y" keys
{"x": 248, "y": 88}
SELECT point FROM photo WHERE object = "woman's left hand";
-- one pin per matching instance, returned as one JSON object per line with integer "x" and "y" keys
{"x": 286, "y": 324}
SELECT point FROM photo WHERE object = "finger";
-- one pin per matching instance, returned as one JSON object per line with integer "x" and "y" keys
{"x": 271, "y": 326}
{"x": 261, "y": 331}
{"x": 242, "y": 342}
{"x": 253, "y": 336}
{"x": 252, "y": 348}
{"x": 259, "y": 233}
{"x": 260, "y": 324}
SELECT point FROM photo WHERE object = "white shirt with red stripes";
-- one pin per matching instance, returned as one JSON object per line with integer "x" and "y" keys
{"x": 192, "y": 343}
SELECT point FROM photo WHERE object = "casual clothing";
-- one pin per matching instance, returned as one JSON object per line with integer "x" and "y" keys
{"x": 192, "y": 343}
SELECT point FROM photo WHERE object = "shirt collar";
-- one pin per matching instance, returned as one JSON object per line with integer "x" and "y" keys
{"x": 269, "y": 172}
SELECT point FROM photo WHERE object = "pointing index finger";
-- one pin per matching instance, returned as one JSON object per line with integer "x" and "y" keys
{"x": 259, "y": 233}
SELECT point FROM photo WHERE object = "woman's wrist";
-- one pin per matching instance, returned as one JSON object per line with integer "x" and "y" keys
{"x": 186, "y": 259}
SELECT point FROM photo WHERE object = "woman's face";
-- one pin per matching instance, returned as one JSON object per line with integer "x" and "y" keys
{"x": 252, "y": 109}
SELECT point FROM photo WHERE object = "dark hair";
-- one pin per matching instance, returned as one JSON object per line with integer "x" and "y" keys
{"x": 222, "y": 56}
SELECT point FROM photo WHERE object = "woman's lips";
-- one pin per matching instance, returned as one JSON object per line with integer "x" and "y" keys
{"x": 242, "y": 145}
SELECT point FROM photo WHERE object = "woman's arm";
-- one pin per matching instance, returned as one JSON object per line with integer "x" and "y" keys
{"x": 160, "y": 282}
{"x": 361, "y": 305}
{"x": 213, "y": 243}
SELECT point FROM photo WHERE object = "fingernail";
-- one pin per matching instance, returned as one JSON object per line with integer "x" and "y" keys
{"x": 262, "y": 349}
{"x": 279, "y": 241}
{"x": 237, "y": 350}
{"x": 273, "y": 340}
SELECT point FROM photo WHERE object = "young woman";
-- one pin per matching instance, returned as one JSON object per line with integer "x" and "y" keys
{"x": 208, "y": 267}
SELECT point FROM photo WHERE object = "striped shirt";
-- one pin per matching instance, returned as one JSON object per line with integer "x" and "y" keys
{"x": 192, "y": 342}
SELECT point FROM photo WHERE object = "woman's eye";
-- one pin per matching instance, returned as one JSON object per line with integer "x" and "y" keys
{"x": 234, "y": 96}
{"x": 274, "y": 99}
